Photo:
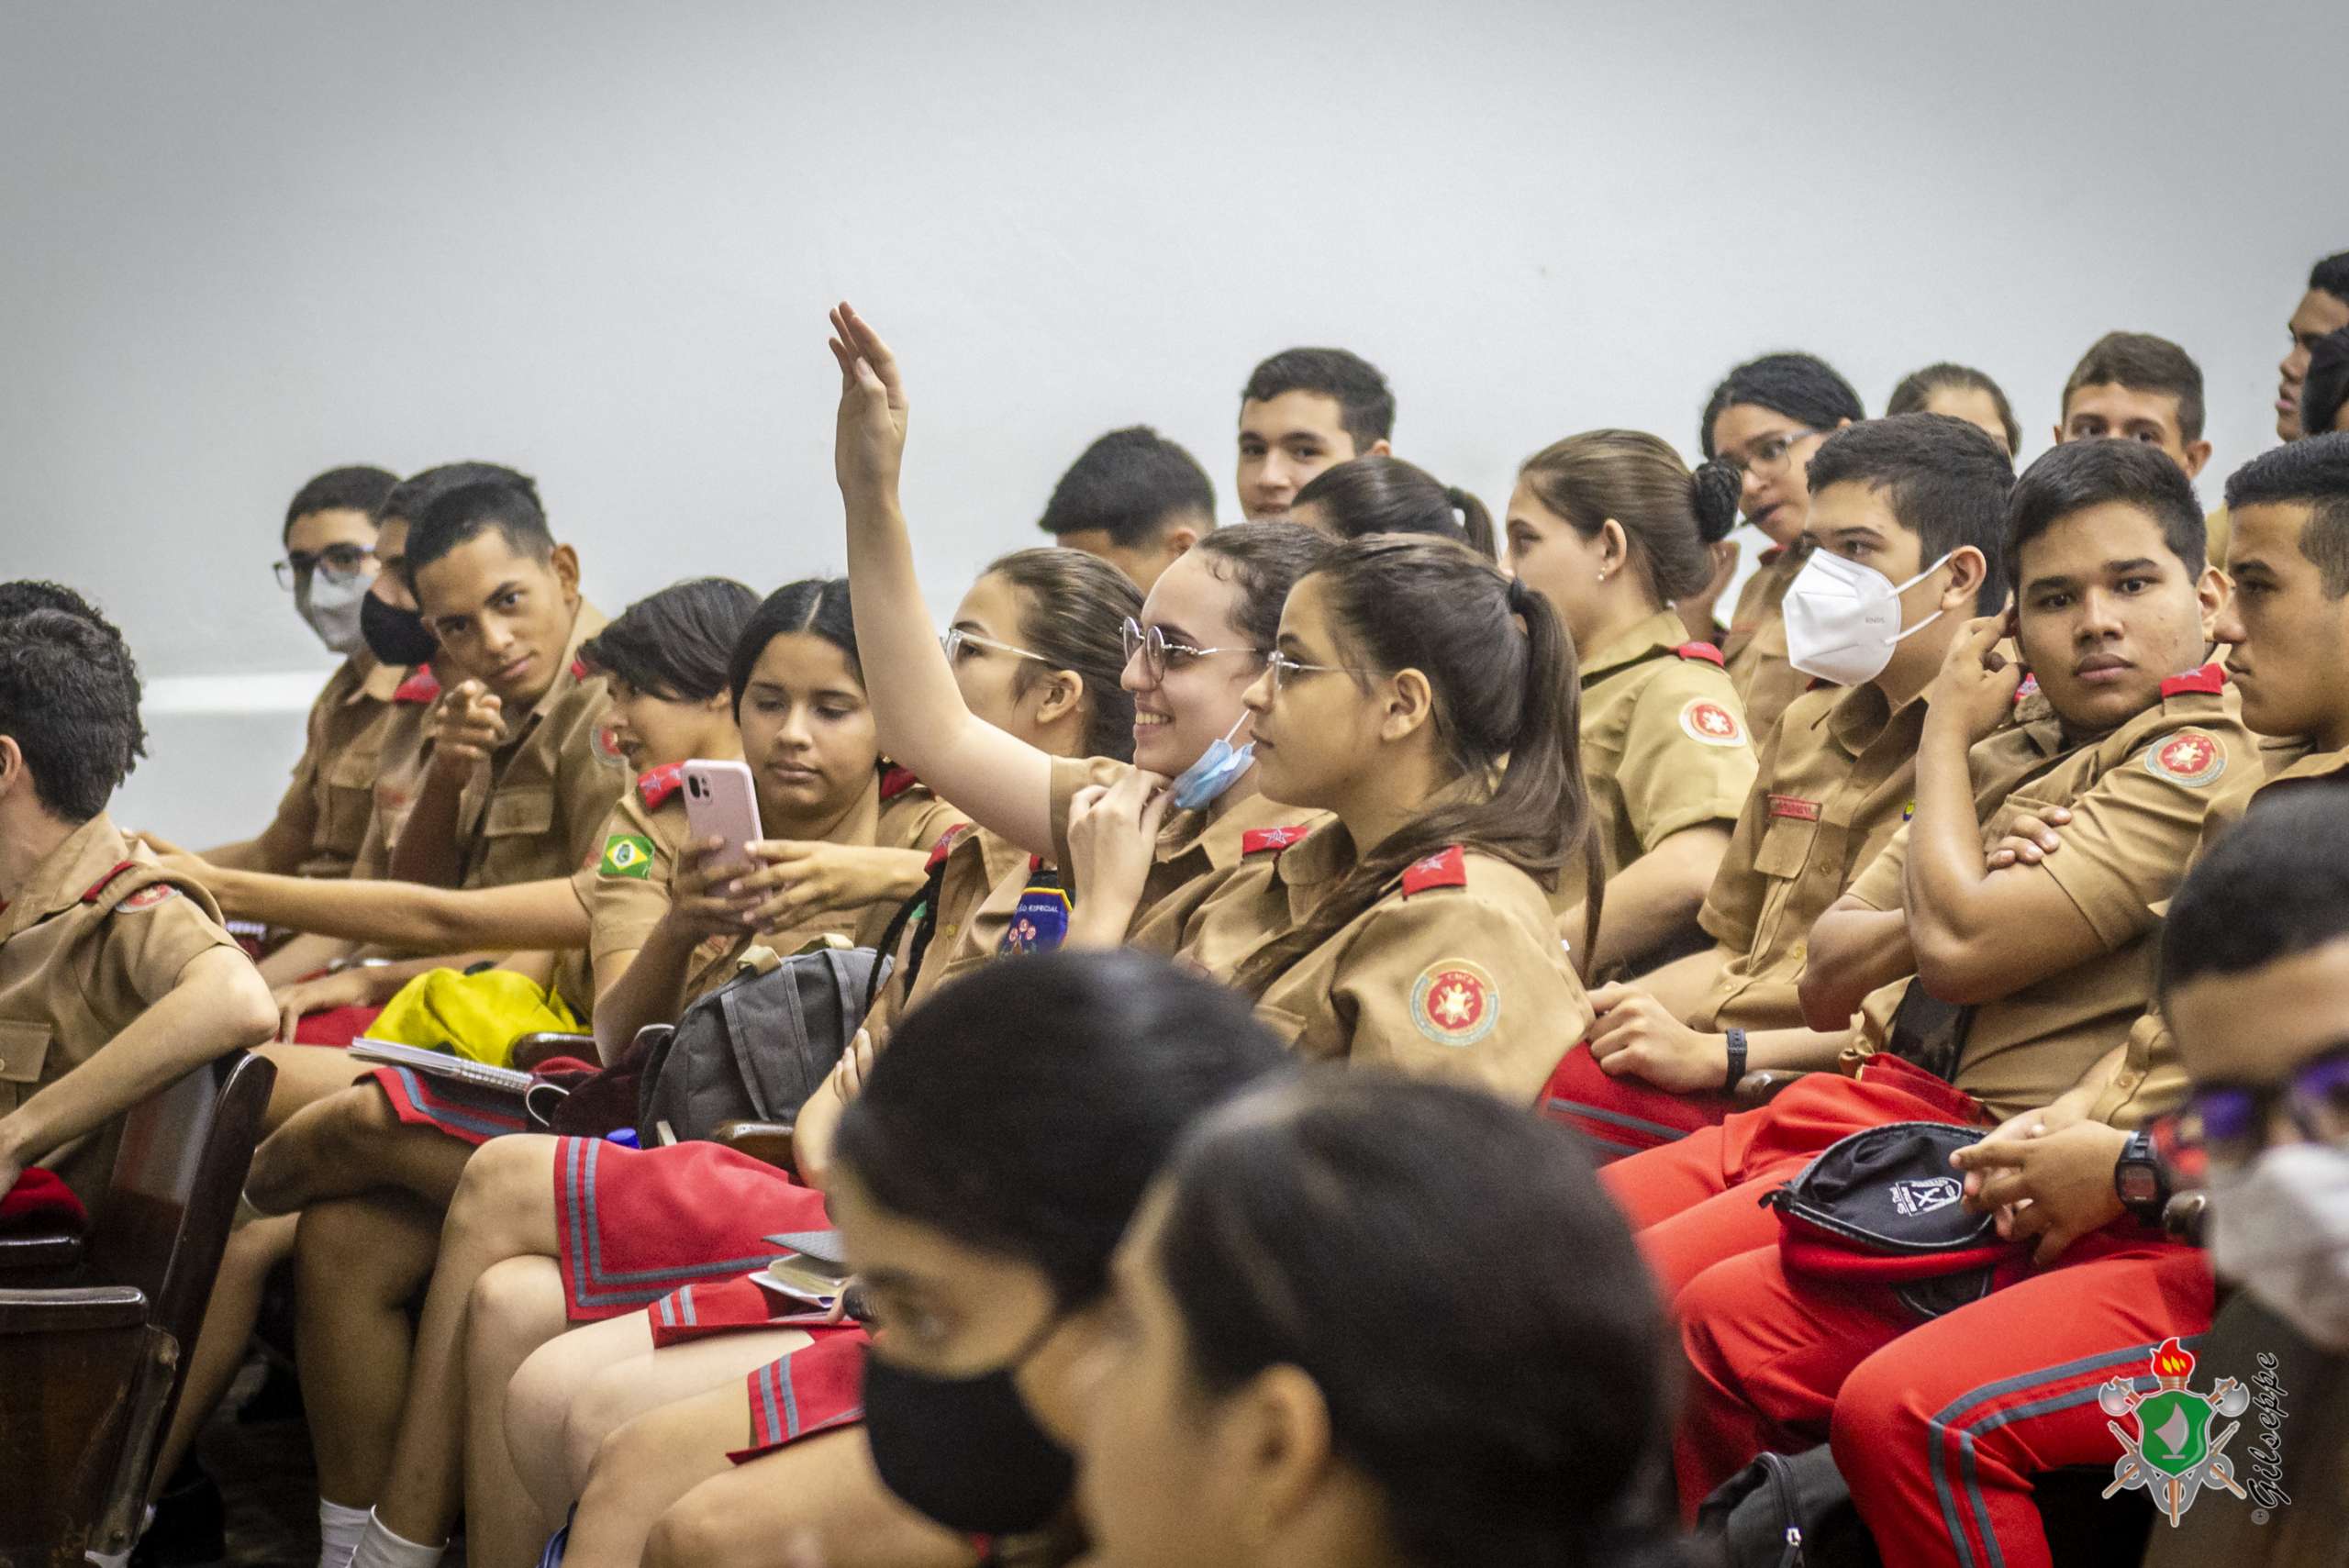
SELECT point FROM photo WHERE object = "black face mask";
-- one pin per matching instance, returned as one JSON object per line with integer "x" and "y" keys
{"x": 964, "y": 1451}
{"x": 395, "y": 635}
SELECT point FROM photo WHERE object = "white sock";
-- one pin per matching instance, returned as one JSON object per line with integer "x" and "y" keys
{"x": 380, "y": 1547}
{"x": 338, "y": 1532}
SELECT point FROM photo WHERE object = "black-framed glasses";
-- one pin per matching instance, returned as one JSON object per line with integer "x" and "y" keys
{"x": 2233, "y": 1122}
{"x": 1766, "y": 455}
{"x": 340, "y": 562}
{"x": 1160, "y": 655}
{"x": 1285, "y": 668}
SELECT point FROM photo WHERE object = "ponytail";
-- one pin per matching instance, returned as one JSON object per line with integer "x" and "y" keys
{"x": 1383, "y": 494}
{"x": 1670, "y": 518}
{"x": 1508, "y": 706}
{"x": 1475, "y": 522}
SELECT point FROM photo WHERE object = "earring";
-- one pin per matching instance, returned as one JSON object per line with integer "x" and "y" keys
{"x": 1602, "y": 574}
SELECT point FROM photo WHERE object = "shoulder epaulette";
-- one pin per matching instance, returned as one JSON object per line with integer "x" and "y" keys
{"x": 97, "y": 889}
{"x": 2209, "y": 681}
{"x": 1256, "y": 841}
{"x": 421, "y": 686}
{"x": 579, "y": 669}
{"x": 895, "y": 781}
{"x": 1445, "y": 868}
{"x": 655, "y": 785}
{"x": 945, "y": 845}
{"x": 1704, "y": 651}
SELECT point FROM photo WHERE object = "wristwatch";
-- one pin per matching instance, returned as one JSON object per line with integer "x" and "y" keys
{"x": 1736, "y": 1060}
{"x": 2139, "y": 1180}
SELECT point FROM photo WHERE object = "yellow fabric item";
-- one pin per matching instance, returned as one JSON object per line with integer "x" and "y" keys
{"x": 477, "y": 1016}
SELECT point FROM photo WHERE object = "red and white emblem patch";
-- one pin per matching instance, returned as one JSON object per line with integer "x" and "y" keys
{"x": 2189, "y": 757}
{"x": 608, "y": 746}
{"x": 1712, "y": 724}
{"x": 147, "y": 897}
{"x": 1454, "y": 1002}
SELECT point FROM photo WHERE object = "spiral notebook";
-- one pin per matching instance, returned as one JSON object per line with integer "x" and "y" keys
{"x": 441, "y": 1064}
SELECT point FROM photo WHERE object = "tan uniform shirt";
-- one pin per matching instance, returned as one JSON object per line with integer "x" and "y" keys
{"x": 1838, "y": 778}
{"x": 1664, "y": 745}
{"x": 1456, "y": 972}
{"x": 1191, "y": 846}
{"x": 2139, "y": 796}
{"x": 984, "y": 877}
{"x": 98, "y": 935}
{"x": 399, "y": 741}
{"x": 1756, "y": 649}
{"x": 328, "y": 805}
{"x": 2153, "y": 1082}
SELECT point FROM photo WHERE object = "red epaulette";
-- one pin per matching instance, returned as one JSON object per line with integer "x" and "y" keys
{"x": 1035, "y": 865}
{"x": 423, "y": 686}
{"x": 98, "y": 888}
{"x": 655, "y": 785}
{"x": 895, "y": 781}
{"x": 2027, "y": 688}
{"x": 2209, "y": 681}
{"x": 1445, "y": 868}
{"x": 945, "y": 845}
{"x": 579, "y": 669}
{"x": 1817, "y": 681}
{"x": 1256, "y": 841}
{"x": 1705, "y": 651}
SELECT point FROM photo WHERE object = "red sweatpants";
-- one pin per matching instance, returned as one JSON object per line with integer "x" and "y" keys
{"x": 1699, "y": 1201}
{"x": 1938, "y": 1427}
{"x": 1623, "y": 1115}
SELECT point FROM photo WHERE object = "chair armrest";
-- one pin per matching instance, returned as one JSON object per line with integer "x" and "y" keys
{"x": 76, "y": 1309}
{"x": 767, "y": 1142}
{"x": 43, "y": 1253}
{"x": 529, "y": 1050}
{"x": 1760, "y": 1086}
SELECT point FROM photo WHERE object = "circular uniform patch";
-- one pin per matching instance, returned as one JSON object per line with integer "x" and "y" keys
{"x": 147, "y": 897}
{"x": 2189, "y": 757}
{"x": 1454, "y": 1002}
{"x": 1712, "y": 724}
{"x": 608, "y": 746}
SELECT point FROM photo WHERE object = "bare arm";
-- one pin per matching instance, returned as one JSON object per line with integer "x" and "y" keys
{"x": 1004, "y": 784}
{"x": 1654, "y": 899}
{"x": 409, "y": 916}
{"x": 301, "y": 956}
{"x": 1853, "y": 950}
{"x": 218, "y": 1006}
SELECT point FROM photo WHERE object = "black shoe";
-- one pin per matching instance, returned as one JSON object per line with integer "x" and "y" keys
{"x": 190, "y": 1524}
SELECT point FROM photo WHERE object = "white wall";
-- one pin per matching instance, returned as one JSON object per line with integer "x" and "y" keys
{"x": 241, "y": 242}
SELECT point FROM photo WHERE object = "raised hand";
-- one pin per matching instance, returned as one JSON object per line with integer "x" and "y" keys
{"x": 465, "y": 727}
{"x": 869, "y": 444}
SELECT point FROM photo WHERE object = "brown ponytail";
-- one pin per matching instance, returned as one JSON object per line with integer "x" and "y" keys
{"x": 1508, "y": 707}
{"x": 1670, "y": 517}
{"x": 1381, "y": 494}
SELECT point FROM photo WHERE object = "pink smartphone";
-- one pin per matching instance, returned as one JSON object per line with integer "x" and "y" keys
{"x": 722, "y": 803}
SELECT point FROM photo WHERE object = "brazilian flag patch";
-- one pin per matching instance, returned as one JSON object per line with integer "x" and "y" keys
{"x": 627, "y": 854}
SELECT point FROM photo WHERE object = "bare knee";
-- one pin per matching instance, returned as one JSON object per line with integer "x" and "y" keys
{"x": 694, "y": 1531}
{"x": 325, "y": 1140}
{"x": 506, "y": 1195}
{"x": 516, "y": 1305}
{"x": 596, "y": 1418}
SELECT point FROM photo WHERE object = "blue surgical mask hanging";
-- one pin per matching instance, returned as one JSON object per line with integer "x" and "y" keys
{"x": 1219, "y": 767}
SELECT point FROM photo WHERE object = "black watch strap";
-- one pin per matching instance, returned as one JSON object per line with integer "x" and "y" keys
{"x": 2139, "y": 1180}
{"x": 1736, "y": 1060}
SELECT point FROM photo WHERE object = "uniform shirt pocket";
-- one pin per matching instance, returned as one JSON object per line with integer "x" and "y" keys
{"x": 1786, "y": 842}
{"x": 514, "y": 813}
{"x": 24, "y": 1051}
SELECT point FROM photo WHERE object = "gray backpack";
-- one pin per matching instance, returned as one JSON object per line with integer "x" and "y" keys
{"x": 758, "y": 1046}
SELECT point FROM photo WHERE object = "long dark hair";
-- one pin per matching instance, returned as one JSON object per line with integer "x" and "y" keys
{"x": 1669, "y": 516}
{"x": 1322, "y": 1223}
{"x": 1381, "y": 494}
{"x": 1071, "y": 609}
{"x": 1026, "y": 1107}
{"x": 819, "y": 606}
{"x": 1263, "y": 561}
{"x": 1505, "y": 690}
{"x": 677, "y": 644}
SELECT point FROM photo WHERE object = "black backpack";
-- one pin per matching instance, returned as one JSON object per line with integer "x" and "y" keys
{"x": 1788, "y": 1511}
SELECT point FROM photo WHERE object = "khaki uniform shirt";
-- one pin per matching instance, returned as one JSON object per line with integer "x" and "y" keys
{"x": 2153, "y": 1082}
{"x": 624, "y": 887}
{"x": 1190, "y": 845}
{"x": 2139, "y": 796}
{"x": 1664, "y": 745}
{"x": 535, "y": 810}
{"x": 399, "y": 741}
{"x": 100, "y": 934}
{"x": 1456, "y": 972}
{"x": 1838, "y": 779}
{"x": 333, "y": 792}
{"x": 1756, "y": 649}
{"x": 982, "y": 880}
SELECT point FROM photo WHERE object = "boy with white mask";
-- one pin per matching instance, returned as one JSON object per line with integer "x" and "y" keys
{"x": 328, "y": 567}
{"x": 1908, "y": 517}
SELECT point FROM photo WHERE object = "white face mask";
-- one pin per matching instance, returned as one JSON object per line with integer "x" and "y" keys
{"x": 1842, "y": 619}
{"x": 2279, "y": 1227}
{"x": 331, "y": 605}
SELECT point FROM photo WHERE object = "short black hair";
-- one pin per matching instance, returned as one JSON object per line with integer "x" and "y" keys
{"x": 2326, "y": 387}
{"x": 358, "y": 489}
{"x": 1800, "y": 386}
{"x": 1133, "y": 485}
{"x": 818, "y": 606}
{"x": 1366, "y": 404}
{"x": 412, "y": 496}
{"x": 28, "y": 593}
{"x": 1946, "y": 480}
{"x": 2073, "y": 475}
{"x": 69, "y": 697}
{"x": 457, "y": 515}
{"x": 1918, "y": 386}
{"x": 678, "y": 643}
{"x": 2332, "y": 276}
{"x": 2274, "y": 885}
{"x": 2143, "y": 363}
{"x": 2314, "y": 471}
